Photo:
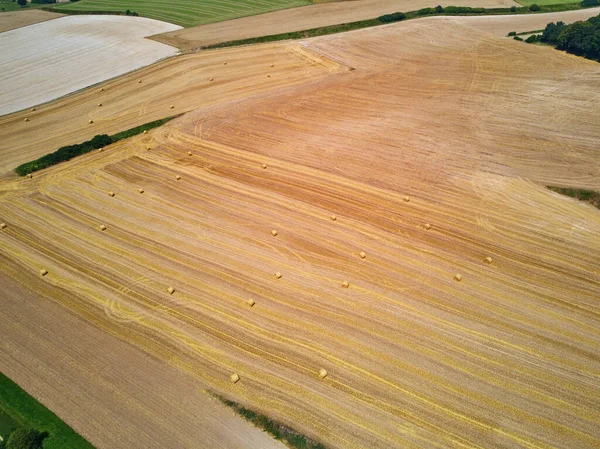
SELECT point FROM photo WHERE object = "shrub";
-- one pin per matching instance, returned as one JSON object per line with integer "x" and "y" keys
{"x": 533, "y": 38}
{"x": 439, "y": 9}
{"x": 590, "y": 2}
{"x": 512, "y": 33}
{"x": 394, "y": 17}
{"x": 513, "y": 9}
{"x": 517, "y": 38}
{"x": 535, "y": 7}
{"x": 425, "y": 11}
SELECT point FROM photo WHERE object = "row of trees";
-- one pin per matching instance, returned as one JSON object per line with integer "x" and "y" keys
{"x": 580, "y": 38}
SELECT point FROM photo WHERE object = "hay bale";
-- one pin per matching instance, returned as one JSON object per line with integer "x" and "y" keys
{"x": 102, "y": 228}
{"x": 407, "y": 198}
{"x": 145, "y": 131}
{"x": 457, "y": 277}
{"x": 43, "y": 272}
{"x": 111, "y": 193}
{"x": 189, "y": 153}
{"x": 212, "y": 79}
{"x": 234, "y": 378}
{"x": 177, "y": 177}
{"x": 26, "y": 119}
{"x": 264, "y": 166}
{"x": 140, "y": 190}
{"x": 333, "y": 218}
{"x": 427, "y": 226}
{"x": 488, "y": 260}
{"x": 90, "y": 122}
{"x": 251, "y": 302}
{"x": 225, "y": 63}
{"x": 99, "y": 105}
{"x": 148, "y": 148}
{"x": 274, "y": 233}
{"x": 268, "y": 76}
{"x": 139, "y": 81}
{"x": 362, "y": 254}
{"x": 272, "y": 65}
{"x": 278, "y": 275}
{"x": 100, "y": 150}
{"x": 30, "y": 176}
{"x": 102, "y": 90}
{"x": 323, "y": 373}
{"x": 172, "y": 106}
{"x": 3, "y": 225}
{"x": 171, "y": 290}
{"x": 32, "y": 109}
{"x": 345, "y": 284}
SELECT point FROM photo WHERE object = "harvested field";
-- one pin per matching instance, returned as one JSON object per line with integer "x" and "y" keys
{"x": 303, "y": 18}
{"x": 57, "y": 57}
{"x": 18, "y": 19}
{"x": 502, "y": 25}
{"x": 184, "y": 82}
{"x": 432, "y": 156}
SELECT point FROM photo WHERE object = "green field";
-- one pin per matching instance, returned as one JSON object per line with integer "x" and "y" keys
{"x": 543, "y": 2}
{"x": 186, "y": 12}
{"x": 8, "y": 6}
{"x": 17, "y": 408}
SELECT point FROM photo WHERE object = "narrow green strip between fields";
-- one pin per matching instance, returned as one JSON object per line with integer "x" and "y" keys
{"x": 277, "y": 430}
{"x": 18, "y": 410}
{"x": 70, "y": 151}
{"x": 425, "y": 12}
{"x": 589, "y": 196}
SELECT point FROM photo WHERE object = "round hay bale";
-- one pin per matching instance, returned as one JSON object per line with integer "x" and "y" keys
{"x": 362, "y": 254}
{"x": 26, "y": 119}
{"x": 3, "y": 225}
{"x": 32, "y": 109}
{"x": 99, "y": 105}
{"x": 268, "y": 76}
{"x": 251, "y": 302}
{"x": 407, "y": 198}
{"x": 148, "y": 147}
{"x": 139, "y": 81}
{"x": 333, "y": 218}
{"x": 111, "y": 193}
{"x": 102, "y": 228}
{"x": 345, "y": 284}
{"x": 90, "y": 122}
{"x": 30, "y": 176}
{"x": 225, "y": 63}
{"x": 140, "y": 190}
{"x": 172, "y": 106}
{"x": 427, "y": 226}
{"x": 145, "y": 131}
{"x": 100, "y": 150}
{"x": 171, "y": 290}
{"x": 488, "y": 260}
{"x": 278, "y": 275}
{"x": 102, "y": 90}
{"x": 177, "y": 177}
{"x": 274, "y": 233}
{"x": 264, "y": 166}
{"x": 457, "y": 277}
{"x": 272, "y": 65}
{"x": 234, "y": 378}
{"x": 43, "y": 272}
{"x": 189, "y": 153}
{"x": 212, "y": 79}
{"x": 323, "y": 373}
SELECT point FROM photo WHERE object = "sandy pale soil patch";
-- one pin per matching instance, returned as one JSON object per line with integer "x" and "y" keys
{"x": 185, "y": 82}
{"x": 17, "y": 19}
{"x": 432, "y": 156}
{"x": 45, "y": 61}
{"x": 502, "y": 25}
{"x": 303, "y": 18}
{"x": 107, "y": 390}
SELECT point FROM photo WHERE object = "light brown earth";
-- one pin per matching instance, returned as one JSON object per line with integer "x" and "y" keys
{"x": 303, "y": 18}
{"x": 17, "y": 19}
{"x": 449, "y": 127}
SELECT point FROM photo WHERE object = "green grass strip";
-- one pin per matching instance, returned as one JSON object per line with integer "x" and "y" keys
{"x": 425, "y": 12}
{"x": 589, "y": 196}
{"x": 29, "y": 413}
{"x": 70, "y": 151}
{"x": 277, "y": 430}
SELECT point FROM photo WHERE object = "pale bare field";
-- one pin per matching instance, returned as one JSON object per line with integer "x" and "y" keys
{"x": 432, "y": 156}
{"x": 183, "y": 82}
{"x": 304, "y": 18}
{"x": 45, "y": 61}
{"x": 17, "y": 19}
{"x": 502, "y": 25}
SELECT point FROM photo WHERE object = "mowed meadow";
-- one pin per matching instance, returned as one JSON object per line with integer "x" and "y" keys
{"x": 186, "y": 12}
{"x": 388, "y": 224}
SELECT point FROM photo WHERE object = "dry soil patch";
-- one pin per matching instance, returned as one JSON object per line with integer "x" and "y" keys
{"x": 17, "y": 19}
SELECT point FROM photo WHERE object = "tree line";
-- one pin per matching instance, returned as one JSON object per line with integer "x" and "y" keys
{"x": 581, "y": 38}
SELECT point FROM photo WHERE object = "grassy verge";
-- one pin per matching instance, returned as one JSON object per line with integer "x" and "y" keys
{"x": 70, "y": 151}
{"x": 425, "y": 12}
{"x": 277, "y": 430}
{"x": 24, "y": 411}
{"x": 589, "y": 196}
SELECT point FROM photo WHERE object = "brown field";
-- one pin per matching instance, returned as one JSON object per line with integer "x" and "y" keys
{"x": 303, "y": 18}
{"x": 18, "y": 19}
{"x": 432, "y": 155}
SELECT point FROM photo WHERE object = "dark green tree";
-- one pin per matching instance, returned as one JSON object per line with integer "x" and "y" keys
{"x": 22, "y": 3}
{"x": 535, "y": 7}
{"x": 26, "y": 439}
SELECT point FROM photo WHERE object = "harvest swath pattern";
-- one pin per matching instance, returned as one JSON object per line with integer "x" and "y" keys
{"x": 429, "y": 133}
{"x": 187, "y": 12}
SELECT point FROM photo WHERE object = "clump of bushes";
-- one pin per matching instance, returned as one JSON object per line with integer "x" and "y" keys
{"x": 518, "y": 38}
{"x": 535, "y": 7}
{"x": 512, "y": 33}
{"x": 533, "y": 38}
{"x": 25, "y": 439}
{"x": 394, "y": 17}
{"x": 580, "y": 38}
{"x": 590, "y": 2}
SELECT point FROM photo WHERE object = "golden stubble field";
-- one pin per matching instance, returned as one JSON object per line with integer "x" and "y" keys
{"x": 430, "y": 156}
